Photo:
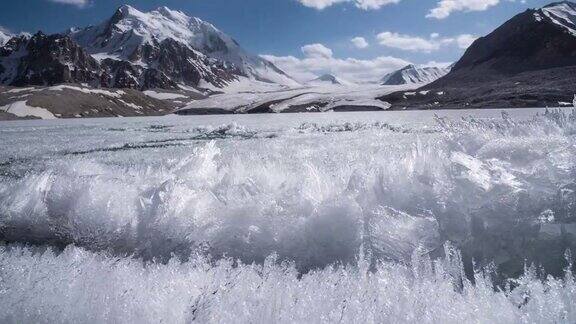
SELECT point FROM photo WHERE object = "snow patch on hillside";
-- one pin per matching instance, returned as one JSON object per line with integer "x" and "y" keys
{"x": 163, "y": 95}
{"x": 21, "y": 109}
{"x": 115, "y": 94}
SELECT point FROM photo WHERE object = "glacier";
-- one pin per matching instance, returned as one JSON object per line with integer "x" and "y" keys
{"x": 444, "y": 216}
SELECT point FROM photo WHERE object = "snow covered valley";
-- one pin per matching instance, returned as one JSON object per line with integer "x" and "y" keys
{"x": 418, "y": 217}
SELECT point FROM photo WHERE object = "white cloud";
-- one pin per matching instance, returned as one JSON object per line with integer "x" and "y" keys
{"x": 311, "y": 66}
{"x": 374, "y": 4}
{"x": 359, "y": 42}
{"x": 320, "y": 4}
{"x": 445, "y": 7}
{"x": 464, "y": 41}
{"x": 362, "y": 4}
{"x": 316, "y": 51}
{"x": 407, "y": 43}
{"x": 77, "y": 3}
{"x": 420, "y": 44}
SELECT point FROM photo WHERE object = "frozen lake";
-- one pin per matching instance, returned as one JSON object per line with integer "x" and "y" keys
{"x": 350, "y": 217}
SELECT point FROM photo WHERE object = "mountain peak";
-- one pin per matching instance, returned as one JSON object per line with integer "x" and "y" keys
{"x": 130, "y": 32}
{"x": 125, "y": 10}
{"x": 411, "y": 74}
{"x": 328, "y": 79}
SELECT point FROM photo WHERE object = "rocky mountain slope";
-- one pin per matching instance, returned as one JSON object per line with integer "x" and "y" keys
{"x": 528, "y": 61}
{"x": 412, "y": 74}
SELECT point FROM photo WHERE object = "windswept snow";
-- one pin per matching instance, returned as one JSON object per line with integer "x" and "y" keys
{"x": 21, "y": 109}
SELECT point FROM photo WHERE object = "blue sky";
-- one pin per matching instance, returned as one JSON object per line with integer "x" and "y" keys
{"x": 281, "y": 28}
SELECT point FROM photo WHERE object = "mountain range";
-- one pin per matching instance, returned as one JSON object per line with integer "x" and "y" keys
{"x": 158, "y": 49}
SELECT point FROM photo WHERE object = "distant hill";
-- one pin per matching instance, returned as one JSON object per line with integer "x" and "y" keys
{"x": 412, "y": 74}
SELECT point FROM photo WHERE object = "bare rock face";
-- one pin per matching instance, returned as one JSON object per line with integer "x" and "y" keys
{"x": 46, "y": 60}
{"x": 529, "y": 61}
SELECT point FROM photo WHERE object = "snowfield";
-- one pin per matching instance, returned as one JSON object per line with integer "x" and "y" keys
{"x": 416, "y": 217}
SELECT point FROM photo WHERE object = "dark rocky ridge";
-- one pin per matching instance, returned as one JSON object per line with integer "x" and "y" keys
{"x": 529, "y": 61}
{"x": 46, "y": 60}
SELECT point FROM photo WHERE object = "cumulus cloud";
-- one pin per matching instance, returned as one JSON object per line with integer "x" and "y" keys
{"x": 77, "y": 3}
{"x": 420, "y": 44}
{"x": 374, "y": 4}
{"x": 407, "y": 43}
{"x": 362, "y": 4}
{"x": 316, "y": 51}
{"x": 465, "y": 40}
{"x": 316, "y": 62}
{"x": 446, "y": 7}
{"x": 359, "y": 42}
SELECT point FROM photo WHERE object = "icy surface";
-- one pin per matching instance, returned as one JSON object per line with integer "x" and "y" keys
{"x": 144, "y": 219}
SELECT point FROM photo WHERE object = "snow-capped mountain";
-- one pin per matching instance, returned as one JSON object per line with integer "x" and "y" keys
{"x": 328, "y": 79}
{"x": 4, "y": 36}
{"x": 139, "y": 38}
{"x": 412, "y": 74}
{"x": 562, "y": 14}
